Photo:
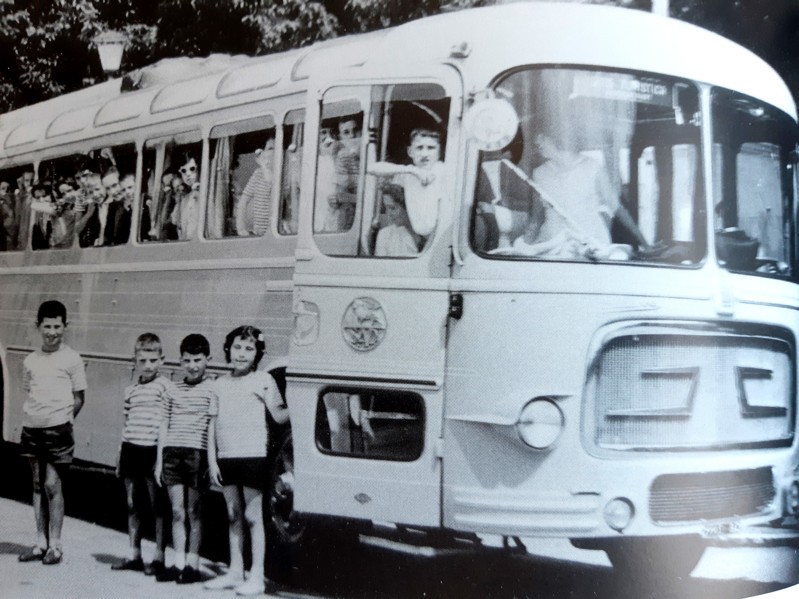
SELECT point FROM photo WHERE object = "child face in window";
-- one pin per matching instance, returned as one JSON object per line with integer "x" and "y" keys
{"x": 4, "y": 187}
{"x": 327, "y": 141}
{"x": 348, "y": 130}
{"x": 265, "y": 158}
{"x": 188, "y": 172}
{"x": 112, "y": 188}
{"x": 424, "y": 150}
{"x": 395, "y": 212}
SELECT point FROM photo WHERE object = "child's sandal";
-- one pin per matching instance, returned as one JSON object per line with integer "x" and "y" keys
{"x": 53, "y": 556}
{"x": 34, "y": 554}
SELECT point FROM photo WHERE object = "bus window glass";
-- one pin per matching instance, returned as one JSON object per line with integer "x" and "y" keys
{"x": 383, "y": 425}
{"x": 154, "y": 188}
{"x": 402, "y": 180}
{"x": 291, "y": 165}
{"x": 15, "y": 207}
{"x": 604, "y": 166}
{"x": 241, "y": 176}
{"x": 87, "y": 197}
{"x": 338, "y": 162}
{"x": 174, "y": 212}
{"x": 753, "y": 185}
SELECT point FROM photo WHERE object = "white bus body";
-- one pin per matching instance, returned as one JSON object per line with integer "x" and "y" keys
{"x": 620, "y": 392}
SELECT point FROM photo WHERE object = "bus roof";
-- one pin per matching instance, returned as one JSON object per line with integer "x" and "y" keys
{"x": 498, "y": 38}
{"x": 503, "y": 37}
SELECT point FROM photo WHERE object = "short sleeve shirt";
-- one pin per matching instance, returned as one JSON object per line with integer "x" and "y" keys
{"x": 187, "y": 410}
{"x": 50, "y": 379}
{"x": 241, "y": 429}
{"x": 143, "y": 411}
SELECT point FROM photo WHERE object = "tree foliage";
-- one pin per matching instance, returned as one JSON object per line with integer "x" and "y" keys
{"x": 46, "y": 47}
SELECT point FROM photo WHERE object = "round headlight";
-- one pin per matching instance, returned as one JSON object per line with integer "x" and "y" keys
{"x": 619, "y": 513}
{"x": 540, "y": 423}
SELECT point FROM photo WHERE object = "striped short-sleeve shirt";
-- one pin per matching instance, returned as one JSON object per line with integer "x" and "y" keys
{"x": 187, "y": 409}
{"x": 142, "y": 410}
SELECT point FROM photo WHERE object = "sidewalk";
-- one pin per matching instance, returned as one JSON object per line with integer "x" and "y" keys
{"x": 85, "y": 572}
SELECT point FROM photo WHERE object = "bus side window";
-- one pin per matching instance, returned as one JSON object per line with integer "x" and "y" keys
{"x": 241, "y": 179}
{"x": 370, "y": 423}
{"x": 408, "y": 161}
{"x": 291, "y": 165}
{"x": 15, "y": 210}
{"x": 84, "y": 197}
{"x": 172, "y": 179}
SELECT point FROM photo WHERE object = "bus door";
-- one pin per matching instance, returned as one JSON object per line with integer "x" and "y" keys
{"x": 370, "y": 307}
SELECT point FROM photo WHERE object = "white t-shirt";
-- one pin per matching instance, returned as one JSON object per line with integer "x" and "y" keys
{"x": 50, "y": 379}
{"x": 421, "y": 201}
{"x": 395, "y": 240}
{"x": 241, "y": 429}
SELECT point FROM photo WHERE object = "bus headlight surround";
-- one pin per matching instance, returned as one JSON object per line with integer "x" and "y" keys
{"x": 618, "y": 513}
{"x": 540, "y": 423}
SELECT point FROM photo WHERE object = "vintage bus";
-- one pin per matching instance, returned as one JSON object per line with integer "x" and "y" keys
{"x": 525, "y": 270}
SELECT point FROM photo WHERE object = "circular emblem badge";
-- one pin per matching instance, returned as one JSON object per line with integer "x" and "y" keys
{"x": 364, "y": 324}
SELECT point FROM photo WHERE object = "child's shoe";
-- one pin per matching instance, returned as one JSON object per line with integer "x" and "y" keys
{"x": 227, "y": 581}
{"x": 53, "y": 556}
{"x": 154, "y": 568}
{"x": 253, "y": 586}
{"x": 169, "y": 574}
{"x": 34, "y": 554}
{"x": 137, "y": 565}
{"x": 189, "y": 576}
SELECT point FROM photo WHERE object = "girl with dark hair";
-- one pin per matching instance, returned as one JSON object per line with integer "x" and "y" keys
{"x": 237, "y": 453}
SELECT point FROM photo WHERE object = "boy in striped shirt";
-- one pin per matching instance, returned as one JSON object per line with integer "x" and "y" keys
{"x": 181, "y": 461}
{"x": 136, "y": 465}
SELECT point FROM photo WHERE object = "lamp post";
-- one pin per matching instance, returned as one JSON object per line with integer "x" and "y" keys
{"x": 110, "y": 46}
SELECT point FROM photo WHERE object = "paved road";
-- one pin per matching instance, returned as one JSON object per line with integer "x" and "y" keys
{"x": 374, "y": 571}
{"x": 94, "y": 540}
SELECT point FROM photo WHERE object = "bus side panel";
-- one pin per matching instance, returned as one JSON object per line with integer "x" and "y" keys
{"x": 394, "y": 473}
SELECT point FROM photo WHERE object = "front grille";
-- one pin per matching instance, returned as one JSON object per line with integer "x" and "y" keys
{"x": 660, "y": 388}
{"x": 710, "y": 496}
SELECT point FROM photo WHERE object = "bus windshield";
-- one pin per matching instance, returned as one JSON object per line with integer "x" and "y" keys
{"x": 605, "y": 166}
{"x": 754, "y": 185}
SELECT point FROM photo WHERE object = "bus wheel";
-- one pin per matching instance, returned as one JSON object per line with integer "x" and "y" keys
{"x": 664, "y": 559}
{"x": 285, "y": 527}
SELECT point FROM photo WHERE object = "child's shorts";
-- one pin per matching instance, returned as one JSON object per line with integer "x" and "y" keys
{"x": 246, "y": 472}
{"x": 184, "y": 466}
{"x": 137, "y": 461}
{"x": 52, "y": 444}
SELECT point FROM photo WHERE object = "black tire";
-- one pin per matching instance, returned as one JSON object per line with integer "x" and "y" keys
{"x": 296, "y": 541}
{"x": 285, "y": 528}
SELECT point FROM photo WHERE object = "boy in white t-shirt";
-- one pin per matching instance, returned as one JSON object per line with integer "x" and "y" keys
{"x": 55, "y": 379}
{"x": 423, "y": 180}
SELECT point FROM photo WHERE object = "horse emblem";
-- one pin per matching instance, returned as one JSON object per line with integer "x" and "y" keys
{"x": 364, "y": 324}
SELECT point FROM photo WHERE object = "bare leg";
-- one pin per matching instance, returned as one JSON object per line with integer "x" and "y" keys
{"x": 194, "y": 510}
{"x": 158, "y": 515}
{"x": 134, "y": 519}
{"x": 55, "y": 503}
{"x": 39, "y": 505}
{"x": 232, "y": 495}
{"x": 177, "y": 499}
{"x": 253, "y": 513}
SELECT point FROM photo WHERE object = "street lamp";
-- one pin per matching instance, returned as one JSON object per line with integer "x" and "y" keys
{"x": 110, "y": 46}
